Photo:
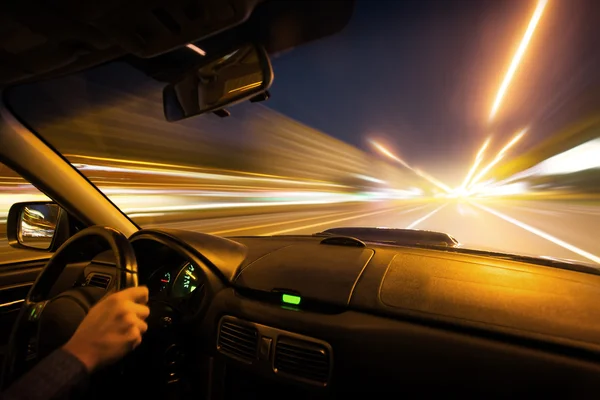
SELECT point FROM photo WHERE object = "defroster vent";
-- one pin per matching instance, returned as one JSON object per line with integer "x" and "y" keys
{"x": 308, "y": 361}
{"x": 238, "y": 341}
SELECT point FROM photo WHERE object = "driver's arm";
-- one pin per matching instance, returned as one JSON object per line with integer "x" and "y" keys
{"x": 60, "y": 375}
{"x": 112, "y": 328}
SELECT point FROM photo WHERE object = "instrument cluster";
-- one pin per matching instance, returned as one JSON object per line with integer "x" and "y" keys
{"x": 178, "y": 282}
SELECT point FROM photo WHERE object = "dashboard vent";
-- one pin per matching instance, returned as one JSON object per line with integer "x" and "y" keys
{"x": 238, "y": 341}
{"x": 101, "y": 281}
{"x": 302, "y": 359}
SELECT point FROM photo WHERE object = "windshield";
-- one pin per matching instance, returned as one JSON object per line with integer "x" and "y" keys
{"x": 477, "y": 119}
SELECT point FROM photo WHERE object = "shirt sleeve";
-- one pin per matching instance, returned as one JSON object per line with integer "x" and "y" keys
{"x": 60, "y": 375}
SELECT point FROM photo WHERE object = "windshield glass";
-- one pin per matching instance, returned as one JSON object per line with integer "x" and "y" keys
{"x": 477, "y": 119}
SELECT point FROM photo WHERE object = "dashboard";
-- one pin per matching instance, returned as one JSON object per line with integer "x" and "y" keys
{"x": 307, "y": 317}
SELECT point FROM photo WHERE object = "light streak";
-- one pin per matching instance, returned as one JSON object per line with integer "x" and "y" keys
{"x": 70, "y": 157}
{"x": 199, "y": 175}
{"x": 478, "y": 160}
{"x": 541, "y": 234}
{"x": 417, "y": 222}
{"x": 329, "y": 222}
{"x": 285, "y": 222}
{"x": 537, "y": 14}
{"x": 498, "y": 157}
{"x": 196, "y": 49}
{"x": 420, "y": 173}
{"x": 389, "y": 154}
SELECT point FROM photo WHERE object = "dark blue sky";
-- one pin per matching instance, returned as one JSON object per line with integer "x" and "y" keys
{"x": 422, "y": 76}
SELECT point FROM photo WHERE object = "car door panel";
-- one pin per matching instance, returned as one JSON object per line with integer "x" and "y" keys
{"x": 15, "y": 281}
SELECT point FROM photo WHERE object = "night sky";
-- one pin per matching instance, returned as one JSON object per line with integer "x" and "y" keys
{"x": 422, "y": 75}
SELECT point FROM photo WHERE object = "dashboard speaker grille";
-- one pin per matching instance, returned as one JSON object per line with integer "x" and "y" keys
{"x": 306, "y": 360}
{"x": 238, "y": 341}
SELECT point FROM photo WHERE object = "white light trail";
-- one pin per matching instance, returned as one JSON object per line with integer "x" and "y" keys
{"x": 541, "y": 234}
{"x": 198, "y": 175}
{"x": 417, "y": 222}
{"x": 329, "y": 222}
{"x": 579, "y": 158}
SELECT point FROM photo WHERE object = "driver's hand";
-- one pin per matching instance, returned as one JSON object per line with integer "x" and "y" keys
{"x": 112, "y": 328}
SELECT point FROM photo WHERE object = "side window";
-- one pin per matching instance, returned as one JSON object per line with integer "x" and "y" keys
{"x": 15, "y": 189}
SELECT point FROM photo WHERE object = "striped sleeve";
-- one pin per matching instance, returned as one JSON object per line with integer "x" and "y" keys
{"x": 58, "y": 376}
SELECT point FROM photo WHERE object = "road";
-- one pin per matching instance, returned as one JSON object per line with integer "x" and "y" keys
{"x": 541, "y": 228}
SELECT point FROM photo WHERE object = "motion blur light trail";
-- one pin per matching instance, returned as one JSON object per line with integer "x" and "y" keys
{"x": 254, "y": 227}
{"x": 156, "y": 210}
{"x": 580, "y": 158}
{"x": 76, "y": 160}
{"x": 584, "y": 158}
{"x": 478, "y": 159}
{"x": 382, "y": 149}
{"x": 505, "y": 225}
{"x": 198, "y": 175}
{"x": 542, "y": 234}
{"x": 537, "y": 14}
{"x": 417, "y": 222}
{"x": 338, "y": 220}
{"x": 497, "y": 159}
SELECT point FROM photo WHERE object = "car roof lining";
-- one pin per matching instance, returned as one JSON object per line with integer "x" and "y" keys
{"x": 44, "y": 39}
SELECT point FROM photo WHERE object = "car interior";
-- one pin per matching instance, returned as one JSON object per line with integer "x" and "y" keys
{"x": 341, "y": 312}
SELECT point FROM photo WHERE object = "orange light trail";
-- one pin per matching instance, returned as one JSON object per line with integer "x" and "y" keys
{"x": 478, "y": 160}
{"x": 537, "y": 14}
{"x": 420, "y": 173}
{"x": 498, "y": 157}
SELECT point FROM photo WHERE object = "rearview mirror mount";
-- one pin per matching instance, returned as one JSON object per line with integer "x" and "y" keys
{"x": 225, "y": 79}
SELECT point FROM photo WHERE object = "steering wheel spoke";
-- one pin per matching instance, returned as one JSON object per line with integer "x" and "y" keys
{"x": 45, "y": 323}
{"x": 34, "y": 310}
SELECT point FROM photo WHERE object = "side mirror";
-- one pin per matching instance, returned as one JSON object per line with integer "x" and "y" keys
{"x": 37, "y": 226}
{"x": 225, "y": 79}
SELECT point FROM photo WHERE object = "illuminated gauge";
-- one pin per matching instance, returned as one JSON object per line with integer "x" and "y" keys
{"x": 186, "y": 282}
{"x": 164, "y": 281}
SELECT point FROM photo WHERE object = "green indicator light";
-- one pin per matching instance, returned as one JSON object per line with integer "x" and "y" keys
{"x": 290, "y": 299}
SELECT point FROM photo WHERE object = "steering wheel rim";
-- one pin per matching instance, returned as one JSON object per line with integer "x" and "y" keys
{"x": 37, "y": 298}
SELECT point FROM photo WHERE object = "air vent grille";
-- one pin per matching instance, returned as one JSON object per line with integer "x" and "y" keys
{"x": 238, "y": 341}
{"x": 302, "y": 359}
{"x": 101, "y": 281}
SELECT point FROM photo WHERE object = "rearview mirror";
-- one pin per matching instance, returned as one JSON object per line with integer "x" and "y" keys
{"x": 222, "y": 80}
{"x": 35, "y": 225}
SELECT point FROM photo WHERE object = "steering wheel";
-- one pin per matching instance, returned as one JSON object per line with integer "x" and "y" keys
{"x": 45, "y": 323}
